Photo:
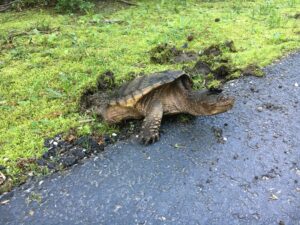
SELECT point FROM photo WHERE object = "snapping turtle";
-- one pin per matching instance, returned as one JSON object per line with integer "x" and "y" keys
{"x": 151, "y": 97}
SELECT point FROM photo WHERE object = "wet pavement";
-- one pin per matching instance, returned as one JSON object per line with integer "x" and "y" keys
{"x": 240, "y": 167}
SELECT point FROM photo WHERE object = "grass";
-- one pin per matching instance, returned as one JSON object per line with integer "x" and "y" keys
{"x": 44, "y": 70}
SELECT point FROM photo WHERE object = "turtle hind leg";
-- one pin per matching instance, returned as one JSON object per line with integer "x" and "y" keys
{"x": 151, "y": 124}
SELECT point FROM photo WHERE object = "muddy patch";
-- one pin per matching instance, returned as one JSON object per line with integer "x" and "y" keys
{"x": 106, "y": 81}
{"x": 201, "y": 67}
{"x": 253, "y": 70}
{"x": 218, "y": 49}
{"x": 94, "y": 96}
{"x": 166, "y": 53}
{"x": 62, "y": 153}
{"x": 214, "y": 67}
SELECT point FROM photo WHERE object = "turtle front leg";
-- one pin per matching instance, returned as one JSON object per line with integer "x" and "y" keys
{"x": 151, "y": 124}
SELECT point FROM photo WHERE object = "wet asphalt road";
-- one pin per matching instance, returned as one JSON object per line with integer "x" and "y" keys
{"x": 248, "y": 175}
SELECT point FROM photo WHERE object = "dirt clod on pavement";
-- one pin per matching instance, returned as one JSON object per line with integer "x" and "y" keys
{"x": 253, "y": 70}
{"x": 62, "y": 154}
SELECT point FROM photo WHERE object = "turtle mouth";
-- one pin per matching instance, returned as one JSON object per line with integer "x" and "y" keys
{"x": 221, "y": 104}
{"x": 225, "y": 100}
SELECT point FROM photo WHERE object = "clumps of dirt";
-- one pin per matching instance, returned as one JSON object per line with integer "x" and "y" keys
{"x": 190, "y": 37}
{"x": 85, "y": 101}
{"x": 215, "y": 74}
{"x": 215, "y": 67}
{"x": 106, "y": 81}
{"x": 213, "y": 50}
{"x": 222, "y": 72}
{"x": 201, "y": 67}
{"x": 93, "y": 96}
{"x": 166, "y": 53}
{"x": 218, "y": 133}
{"x": 62, "y": 153}
{"x": 253, "y": 70}
{"x": 271, "y": 107}
{"x": 218, "y": 49}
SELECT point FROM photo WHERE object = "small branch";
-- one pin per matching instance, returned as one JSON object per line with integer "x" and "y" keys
{"x": 3, "y": 9}
{"x": 7, "y": 6}
{"x": 127, "y": 3}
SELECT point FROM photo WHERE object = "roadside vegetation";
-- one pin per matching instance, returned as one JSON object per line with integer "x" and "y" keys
{"x": 48, "y": 59}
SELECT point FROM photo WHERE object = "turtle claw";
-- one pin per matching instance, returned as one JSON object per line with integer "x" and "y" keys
{"x": 149, "y": 139}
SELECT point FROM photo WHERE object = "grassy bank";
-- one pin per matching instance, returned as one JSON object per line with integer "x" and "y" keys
{"x": 47, "y": 59}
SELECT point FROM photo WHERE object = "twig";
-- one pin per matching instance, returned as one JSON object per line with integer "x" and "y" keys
{"x": 127, "y": 3}
{"x": 3, "y": 9}
{"x": 6, "y": 6}
{"x": 87, "y": 121}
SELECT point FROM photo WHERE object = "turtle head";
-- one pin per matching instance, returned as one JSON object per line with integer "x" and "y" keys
{"x": 210, "y": 102}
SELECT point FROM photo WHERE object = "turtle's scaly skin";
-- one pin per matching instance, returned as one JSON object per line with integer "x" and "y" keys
{"x": 151, "y": 97}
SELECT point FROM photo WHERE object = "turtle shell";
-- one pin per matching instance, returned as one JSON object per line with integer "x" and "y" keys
{"x": 130, "y": 93}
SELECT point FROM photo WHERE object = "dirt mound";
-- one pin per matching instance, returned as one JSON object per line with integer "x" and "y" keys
{"x": 218, "y": 49}
{"x": 253, "y": 70}
{"x": 62, "y": 153}
{"x": 106, "y": 81}
{"x": 165, "y": 53}
{"x": 214, "y": 68}
{"x": 93, "y": 96}
{"x": 201, "y": 67}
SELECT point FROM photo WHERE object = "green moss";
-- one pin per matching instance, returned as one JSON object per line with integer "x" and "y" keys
{"x": 214, "y": 84}
{"x": 44, "y": 71}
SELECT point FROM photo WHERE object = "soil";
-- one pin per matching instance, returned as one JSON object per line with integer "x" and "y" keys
{"x": 253, "y": 70}
{"x": 62, "y": 153}
{"x": 222, "y": 72}
{"x": 201, "y": 67}
{"x": 106, "y": 81}
{"x": 104, "y": 87}
{"x": 165, "y": 53}
{"x": 190, "y": 37}
{"x": 213, "y": 50}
